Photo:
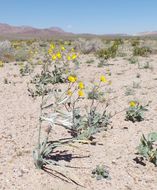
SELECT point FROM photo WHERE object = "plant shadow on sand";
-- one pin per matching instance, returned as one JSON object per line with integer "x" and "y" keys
{"x": 57, "y": 156}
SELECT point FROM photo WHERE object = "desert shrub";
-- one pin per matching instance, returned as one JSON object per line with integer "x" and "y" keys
{"x": 88, "y": 46}
{"x": 22, "y": 54}
{"x": 135, "y": 42}
{"x": 30, "y": 42}
{"x": 65, "y": 106}
{"x": 141, "y": 51}
{"x": 6, "y": 51}
{"x": 110, "y": 52}
{"x": 118, "y": 42}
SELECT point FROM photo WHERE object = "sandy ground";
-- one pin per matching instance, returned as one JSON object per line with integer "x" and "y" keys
{"x": 18, "y": 133}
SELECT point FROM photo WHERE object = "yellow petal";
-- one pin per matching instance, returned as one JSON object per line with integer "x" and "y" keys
{"x": 62, "y": 48}
{"x": 81, "y": 85}
{"x": 72, "y": 79}
{"x": 74, "y": 56}
{"x": 59, "y": 55}
{"x": 132, "y": 104}
{"x": 103, "y": 78}
{"x": 54, "y": 57}
{"x": 68, "y": 58}
{"x": 80, "y": 93}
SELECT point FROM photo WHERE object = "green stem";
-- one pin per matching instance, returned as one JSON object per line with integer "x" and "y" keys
{"x": 40, "y": 122}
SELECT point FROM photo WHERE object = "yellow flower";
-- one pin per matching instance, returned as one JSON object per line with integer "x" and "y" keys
{"x": 81, "y": 85}
{"x": 59, "y": 55}
{"x": 80, "y": 93}
{"x": 132, "y": 104}
{"x": 103, "y": 78}
{"x": 54, "y": 57}
{"x": 72, "y": 78}
{"x": 74, "y": 56}
{"x": 52, "y": 46}
{"x": 1, "y": 64}
{"x": 62, "y": 48}
{"x": 50, "y": 51}
{"x": 69, "y": 92}
{"x": 68, "y": 58}
{"x": 72, "y": 50}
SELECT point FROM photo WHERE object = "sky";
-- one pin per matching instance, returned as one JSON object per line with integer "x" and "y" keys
{"x": 82, "y": 16}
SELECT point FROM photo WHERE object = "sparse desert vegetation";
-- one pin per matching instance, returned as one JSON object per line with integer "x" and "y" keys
{"x": 78, "y": 113}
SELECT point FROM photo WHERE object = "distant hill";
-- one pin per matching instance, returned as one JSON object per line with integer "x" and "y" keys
{"x": 153, "y": 33}
{"x": 9, "y": 31}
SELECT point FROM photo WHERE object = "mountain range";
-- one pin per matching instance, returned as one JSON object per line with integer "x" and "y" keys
{"x": 8, "y": 31}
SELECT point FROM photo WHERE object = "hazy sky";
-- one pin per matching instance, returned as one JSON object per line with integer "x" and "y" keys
{"x": 82, "y": 16}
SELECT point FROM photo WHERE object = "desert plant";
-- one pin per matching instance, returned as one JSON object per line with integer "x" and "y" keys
{"x": 44, "y": 152}
{"x": 147, "y": 147}
{"x": 129, "y": 91}
{"x": 101, "y": 172}
{"x": 88, "y": 46}
{"x": 135, "y": 112}
{"x": 95, "y": 94}
{"x": 141, "y": 51}
{"x": 22, "y": 54}
{"x": 133, "y": 60}
{"x": 135, "y": 42}
{"x": 6, "y": 51}
{"x": 47, "y": 78}
{"x": 107, "y": 53}
{"x": 26, "y": 69}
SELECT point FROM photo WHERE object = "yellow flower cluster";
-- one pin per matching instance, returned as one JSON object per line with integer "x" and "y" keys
{"x": 56, "y": 56}
{"x": 72, "y": 57}
{"x": 58, "y": 53}
{"x": 50, "y": 51}
{"x": 81, "y": 86}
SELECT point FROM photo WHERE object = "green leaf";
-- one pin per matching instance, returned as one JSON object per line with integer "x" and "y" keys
{"x": 152, "y": 137}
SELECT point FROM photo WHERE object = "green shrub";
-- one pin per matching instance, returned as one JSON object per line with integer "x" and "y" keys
{"x": 141, "y": 51}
